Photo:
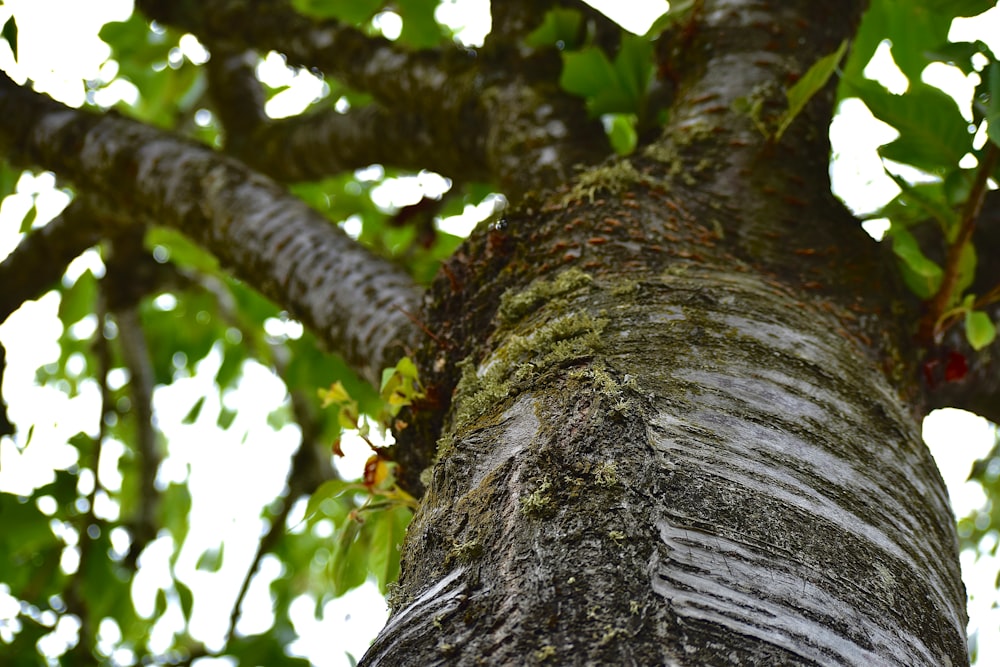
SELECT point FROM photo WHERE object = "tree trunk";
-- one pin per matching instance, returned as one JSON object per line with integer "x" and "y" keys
{"x": 672, "y": 409}
{"x": 684, "y": 432}
{"x": 693, "y": 467}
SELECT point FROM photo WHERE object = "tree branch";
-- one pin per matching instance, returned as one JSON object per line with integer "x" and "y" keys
{"x": 316, "y": 145}
{"x": 939, "y": 303}
{"x": 354, "y": 301}
{"x": 955, "y": 375}
{"x": 372, "y": 64}
{"x": 41, "y": 258}
{"x": 236, "y": 95}
{"x": 123, "y": 287}
{"x": 466, "y": 114}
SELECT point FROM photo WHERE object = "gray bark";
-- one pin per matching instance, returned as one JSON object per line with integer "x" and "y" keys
{"x": 690, "y": 468}
{"x": 700, "y": 444}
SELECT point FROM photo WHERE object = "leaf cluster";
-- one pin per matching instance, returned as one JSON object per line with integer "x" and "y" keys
{"x": 941, "y": 160}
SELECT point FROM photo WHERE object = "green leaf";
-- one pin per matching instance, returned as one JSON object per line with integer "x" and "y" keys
{"x": 263, "y": 649}
{"x": 186, "y": 598}
{"x": 174, "y": 508}
{"x": 349, "y": 562}
{"x": 979, "y": 329}
{"x": 588, "y": 73}
{"x": 634, "y": 65}
{"x": 79, "y": 300}
{"x": 560, "y": 28}
{"x": 29, "y": 220}
{"x": 26, "y": 530}
{"x": 226, "y": 418}
{"x": 622, "y": 132}
{"x": 420, "y": 29}
{"x": 8, "y": 179}
{"x": 966, "y": 271}
{"x": 952, "y": 8}
{"x": 925, "y": 200}
{"x": 957, "y": 186}
{"x": 181, "y": 250}
{"x": 912, "y": 30}
{"x": 387, "y": 530}
{"x": 870, "y": 34}
{"x": 921, "y": 274}
{"x": 353, "y": 11}
{"x": 192, "y": 415}
{"x": 678, "y": 10}
{"x": 10, "y": 34}
{"x": 810, "y": 84}
{"x": 992, "y": 76}
{"x": 607, "y": 87}
{"x": 211, "y": 559}
{"x": 328, "y": 490}
{"x": 959, "y": 54}
{"x": 933, "y": 134}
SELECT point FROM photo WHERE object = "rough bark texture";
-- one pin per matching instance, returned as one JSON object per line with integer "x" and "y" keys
{"x": 689, "y": 468}
{"x": 685, "y": 429}
{"x": 673, "y": 407}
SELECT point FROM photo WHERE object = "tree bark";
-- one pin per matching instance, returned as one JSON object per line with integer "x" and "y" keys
{"x": 689, "y": 467}
{"x": 672, "y": 410}
{"x": 685, "y": 429}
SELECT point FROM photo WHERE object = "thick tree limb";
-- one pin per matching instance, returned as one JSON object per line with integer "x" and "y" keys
{"x": 357, "y": 303}
{"x": 372, "y": 64}
{"x": 311, "y": 147}
{"x": 237, "y": 95}
{"x": 41, "y": 258}
{"x": 462, "y": 116}
{"x": 316, "y": 145}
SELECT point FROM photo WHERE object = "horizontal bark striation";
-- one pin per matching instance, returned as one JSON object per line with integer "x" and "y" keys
{"x": 686, "y": 467}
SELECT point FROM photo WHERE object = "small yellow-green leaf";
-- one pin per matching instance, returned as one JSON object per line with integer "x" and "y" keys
{"x": 348, "y": 415}
{"x": 337, "y": 393}
{"x": 407, "y": 368}
{"x": 810, "y": 84}
{"x": 621, "y": 132}
{"x": 979, "y": 329}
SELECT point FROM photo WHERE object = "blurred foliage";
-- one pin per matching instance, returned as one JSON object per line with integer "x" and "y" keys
{"x": 70, "y": 548}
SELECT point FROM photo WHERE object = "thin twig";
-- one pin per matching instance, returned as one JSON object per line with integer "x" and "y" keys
{"x": 938, "y": 305}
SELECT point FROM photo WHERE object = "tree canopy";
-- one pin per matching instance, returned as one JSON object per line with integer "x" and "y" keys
{"x": 214, "y": 230}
